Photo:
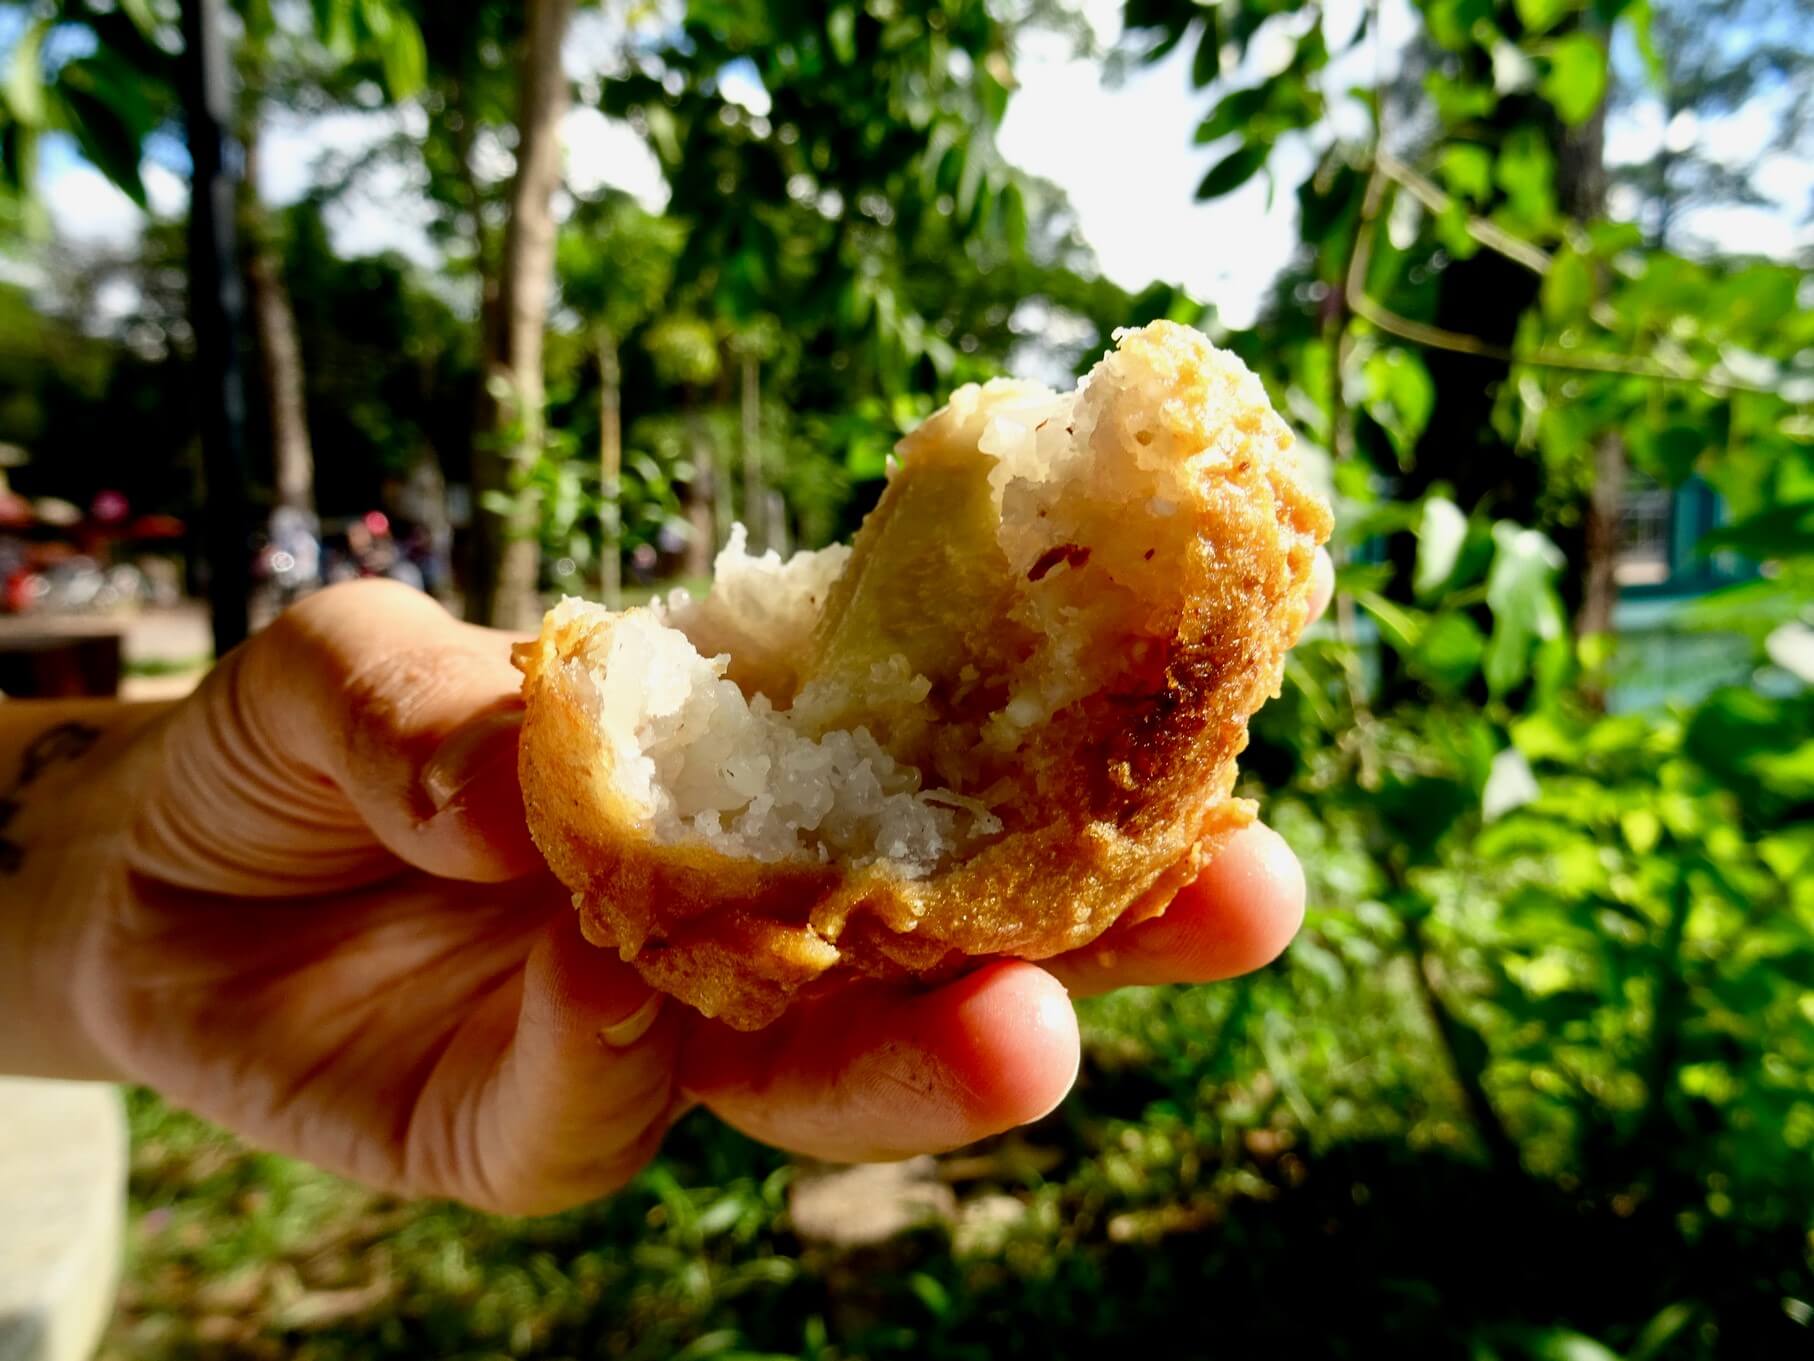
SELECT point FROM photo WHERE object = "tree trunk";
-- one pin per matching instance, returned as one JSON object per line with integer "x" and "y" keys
{"x": 1581, "y": 193}
{"x": 755, "y": 501}
{"x": 610, "y": 470}
{"x": 701, "y": 499}
{"x": 509, "y": 556}
{"x": 279, "y": 348}
{"x": 1600, "y": 538}
{"x": 778, "y": 538}
{"x": 723, "y": 451}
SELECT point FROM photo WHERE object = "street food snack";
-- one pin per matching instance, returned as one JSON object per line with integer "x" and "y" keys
{"x": 1003, "y": 719}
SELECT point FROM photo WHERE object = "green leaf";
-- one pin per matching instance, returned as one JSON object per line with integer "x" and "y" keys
{"x": 1658, "y": 1333}
{"x": 968, "y": 184}
{"x": 841, "y": 33}
{"x": 1467, "y": 171}
{"x": 404, "y": 57}
{"x": 1449, "y": 653}
{"x": 1642, "y": 829}
{"x": 1779, "y": 532}
{"x": 1401, "y": 626}
{"x": 1453, "y": 22}
{"x": 1233, "y": 170}
{"x": 1442, "y": 531}
{"x": 1560, "y": 1344}
{"x": 1013, "y": 217}
{"x": 1400, "y": 396}
{"x": 1539, "y": 16}
{"x": 1458, "y": 101}
{"x": 105, "y": 139}
{"x": 1642, "y": 18}
{"x": 25, "y": 77}
{"x": 334, "y": 27}
{"x": 1206, "y": 65}
{"x": 1576, "y": 81}
{"x": 1509, "y": 785}
{"x": 1520, "y": 592}
{"x": 142, "y": 14}
{"x": 1568, "y": 287}
{"x": 664, "y": 132}
{"x": 993, "y": 96}
{"x": 1231, "y": 114}
{"x": 19, "y": 172}
{"x": 715, "y": 1343}
{"x": 1526, "y": 171}
{"x": 1421, "y": 809}
{"x": 1751, "y": 741}
{"x": 931, "y": 1293}
{"x": 1670, "y": 452}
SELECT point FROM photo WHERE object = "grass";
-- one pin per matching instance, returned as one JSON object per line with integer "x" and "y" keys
{"x": 1179, "y": 1203}
{"x": 166, "y": 666}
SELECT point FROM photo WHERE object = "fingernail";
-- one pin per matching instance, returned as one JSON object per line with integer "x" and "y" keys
{"x": 469, "y": 752}
{"x": 634, "y": 1026}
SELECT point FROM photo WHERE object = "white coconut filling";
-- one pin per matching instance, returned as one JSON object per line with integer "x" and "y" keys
{"x": 706, "y": 763}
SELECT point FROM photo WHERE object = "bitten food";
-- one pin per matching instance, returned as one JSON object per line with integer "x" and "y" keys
{"x": 1002, "y": 720}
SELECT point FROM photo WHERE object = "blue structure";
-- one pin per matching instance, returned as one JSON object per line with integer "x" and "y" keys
{"x": 1660, "y": 573}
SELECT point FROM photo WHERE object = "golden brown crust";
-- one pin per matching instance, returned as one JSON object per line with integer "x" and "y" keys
{"x": 1134, "y": 786}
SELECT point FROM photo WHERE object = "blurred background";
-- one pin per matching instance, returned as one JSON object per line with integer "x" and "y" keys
{"x": 508, "y": 300}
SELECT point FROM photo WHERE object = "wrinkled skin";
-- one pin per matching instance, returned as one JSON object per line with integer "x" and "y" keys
{"x": 303, "y": 903}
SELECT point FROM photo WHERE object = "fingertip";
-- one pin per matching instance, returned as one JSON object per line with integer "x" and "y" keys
{"x": 1248, "y": 903}
{"x": 1322, "y": 583}
{"x": 1009, "y": 1033}
{"x": 881, "y": 1072}
{"x": 1238, "y": 915}
{"x": 479, "y": 831}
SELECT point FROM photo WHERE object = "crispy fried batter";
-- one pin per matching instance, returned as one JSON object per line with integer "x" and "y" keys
{"x": 1005, "y": 721}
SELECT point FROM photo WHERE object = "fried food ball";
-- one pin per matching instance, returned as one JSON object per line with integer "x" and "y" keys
{"x": 1005, "y": 718}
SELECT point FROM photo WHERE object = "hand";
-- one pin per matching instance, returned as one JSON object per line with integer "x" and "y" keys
{"x": 321, "y": 923}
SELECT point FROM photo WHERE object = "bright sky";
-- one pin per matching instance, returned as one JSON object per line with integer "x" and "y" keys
{"x": 1122, "y": 154}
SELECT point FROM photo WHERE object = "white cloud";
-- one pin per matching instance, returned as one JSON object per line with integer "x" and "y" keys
{"x": 293, "y": 148}
{"x": 1745, "y": 229}
{"x": 741, "y": 85}
{"x": 1125, "y": 159}
{"x": 598, "y": 39}
{"x": 165, "y": 190}
{"x": 1635, "y": 134}
{"x": 1789, "y": 179}
{"x": 492, "y": 160}
{"x": 84, "y": 205}
{"x": 1739, "y": 137}
{"x": 385, "y": 209}
{"x": 607, "y": 151}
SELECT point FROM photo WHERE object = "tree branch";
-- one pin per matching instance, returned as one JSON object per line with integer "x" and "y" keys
{"x": 1494, "y": 238}
{"x": 1457, "y": 342}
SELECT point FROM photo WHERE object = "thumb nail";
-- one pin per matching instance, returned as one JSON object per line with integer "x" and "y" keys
{"x": 473, "y": 749}
{"x": 634, "y": 1026}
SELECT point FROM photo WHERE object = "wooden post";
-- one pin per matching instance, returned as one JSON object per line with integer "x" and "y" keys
{"x": 610, "y": 470}
{"x": 216, "y": 308}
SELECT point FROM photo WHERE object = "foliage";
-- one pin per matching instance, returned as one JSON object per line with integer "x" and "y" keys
{"x": 1537, "y": 1079}
{"x": 102, "y": 74}
{"x": 1765, "y": 45}
{"x": 107, "y": 73}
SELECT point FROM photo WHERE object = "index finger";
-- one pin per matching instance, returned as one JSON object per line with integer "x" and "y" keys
{"x": 412, "y": 715}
